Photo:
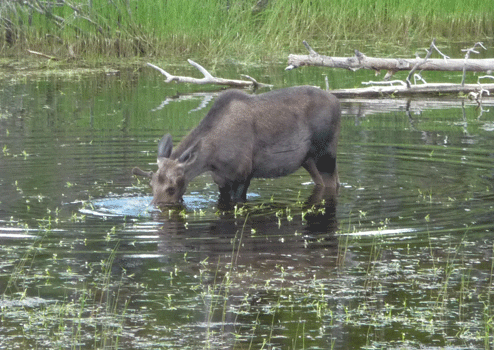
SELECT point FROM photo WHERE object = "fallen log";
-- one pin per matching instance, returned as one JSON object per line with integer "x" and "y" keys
{"x": 405, "y": 88}
{"x": 415, "y": 90}
{"x": 392, "y": 64}
{"x": 361, "y": 61}
{"x": 363, "y": 107}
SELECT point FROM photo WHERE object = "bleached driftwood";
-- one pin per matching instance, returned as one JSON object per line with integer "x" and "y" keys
{"x": 364, "y": 107}
{"x": 415, "y": 90}
{"x": 209, "y": 79}
{"x": 405, "y": 88}
{"x": 361, "y": 61}
{"x": 427, "y": 56}
{"x": 467, "y": 56}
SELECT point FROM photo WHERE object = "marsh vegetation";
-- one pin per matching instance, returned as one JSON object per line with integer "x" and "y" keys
{"x": 245, "y": 30}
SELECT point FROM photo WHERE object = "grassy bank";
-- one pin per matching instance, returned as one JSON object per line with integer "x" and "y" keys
{"x": 239, "y": 29}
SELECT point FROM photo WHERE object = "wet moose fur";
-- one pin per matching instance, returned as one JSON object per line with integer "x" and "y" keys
{"x": 252, "y": 136}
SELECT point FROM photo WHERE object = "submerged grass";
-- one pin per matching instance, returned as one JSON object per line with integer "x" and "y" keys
{"x": 389, "y": 294}
{"x": 396, "y": 295}
{"x": 88, "y": 314}
{"x": 237, "y": 29}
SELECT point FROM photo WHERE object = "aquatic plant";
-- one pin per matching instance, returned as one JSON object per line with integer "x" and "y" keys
{"x": 88, "y": 308}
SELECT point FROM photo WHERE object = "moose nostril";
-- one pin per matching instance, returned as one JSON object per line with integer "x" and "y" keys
{"x": 170, "y": 191}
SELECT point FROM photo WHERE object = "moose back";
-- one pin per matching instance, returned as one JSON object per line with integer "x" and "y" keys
{"x": 252, "y": 136}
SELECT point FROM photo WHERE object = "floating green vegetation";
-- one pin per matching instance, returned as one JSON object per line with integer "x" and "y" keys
{"x": 90, "y": 314}
{"x": 391, "y": 293}
{"x": 219, "y": 29}
{"x": 396, "y": 294}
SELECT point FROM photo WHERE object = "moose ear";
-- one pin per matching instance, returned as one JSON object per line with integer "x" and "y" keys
{"x": 191, "y": 153}
{"x": 139, "y": 172}
{"x": 165, "y": 146}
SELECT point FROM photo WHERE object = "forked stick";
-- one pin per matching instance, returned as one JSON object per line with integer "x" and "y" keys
{"x": 209, "y": 79}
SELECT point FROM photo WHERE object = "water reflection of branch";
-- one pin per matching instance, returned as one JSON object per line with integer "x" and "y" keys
{"x": 205, "y": 101}
{"x": 410, "y": 118}
{"x": 207, "y": 97}
{"x": 478, "y": 95}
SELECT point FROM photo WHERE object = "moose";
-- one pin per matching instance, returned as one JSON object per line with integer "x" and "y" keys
{"x": 252, "y": 136}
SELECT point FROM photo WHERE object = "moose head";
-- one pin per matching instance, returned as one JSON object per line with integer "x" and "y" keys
{"x": 170, "y": 181}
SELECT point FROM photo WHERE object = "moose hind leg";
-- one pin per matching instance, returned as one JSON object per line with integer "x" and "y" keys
{"x": 328, "y": 170}
{"x": 324, "y": 171}
{"x": 310, "y": 166}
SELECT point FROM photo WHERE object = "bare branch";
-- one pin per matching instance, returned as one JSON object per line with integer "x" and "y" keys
{"x": 433, "y": 45}
{"x": 53, "y": 58}
{"x": 484, "y": 77}
{"x": 169, "y": 77}
{"x": 467, "y": 56}
{"x": 208, "y": 78}
{"x": 311, "y": 51}
{"x": 394, "y": 82}
{"x": 389, "y": 83}
{"x": 477, "y": 96}
{"x": 388, "y": 74}
{"x": 254, "y": 81}
{"x": 418, "y": 64}
{"x": 201, "y": 69}
{"x": 418, "y": 77}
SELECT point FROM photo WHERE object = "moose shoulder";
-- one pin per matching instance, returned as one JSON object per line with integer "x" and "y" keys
{"x": 252, "y": 136}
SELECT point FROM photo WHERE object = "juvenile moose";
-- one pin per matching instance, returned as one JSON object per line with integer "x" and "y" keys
{"x": 252, "y": 136}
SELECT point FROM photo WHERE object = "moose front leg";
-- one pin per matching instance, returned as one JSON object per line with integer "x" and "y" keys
{"x": 240, "y": 191}
{"x": 234, "y": 192}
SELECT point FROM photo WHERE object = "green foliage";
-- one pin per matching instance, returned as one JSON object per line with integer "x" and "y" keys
{"x": 242, "y": 29}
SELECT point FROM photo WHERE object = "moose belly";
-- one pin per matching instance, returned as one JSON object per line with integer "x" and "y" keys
{"x": 277, "y": 162}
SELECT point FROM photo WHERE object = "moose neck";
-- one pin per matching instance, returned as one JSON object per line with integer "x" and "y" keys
{"x": 195, "y": 168}
{"x": 194, "y": 158}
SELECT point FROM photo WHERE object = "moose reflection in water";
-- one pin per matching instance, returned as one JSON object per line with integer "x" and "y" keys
{"x": 252, "y": 136}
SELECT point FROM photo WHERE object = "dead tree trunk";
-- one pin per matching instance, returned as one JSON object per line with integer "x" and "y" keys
{"x": 474, "y": 91}
{"x": 361, "y": 61}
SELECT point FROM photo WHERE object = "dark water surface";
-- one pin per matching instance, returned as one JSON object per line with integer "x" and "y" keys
{"x": 403, "y": 260}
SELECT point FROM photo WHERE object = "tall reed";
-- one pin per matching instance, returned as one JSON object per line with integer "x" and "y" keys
{"x": 240, "y": 29}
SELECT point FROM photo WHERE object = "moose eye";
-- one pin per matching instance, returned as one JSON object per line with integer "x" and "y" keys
{"x": 161, "y": 178}
{"x": 170, "y": 191}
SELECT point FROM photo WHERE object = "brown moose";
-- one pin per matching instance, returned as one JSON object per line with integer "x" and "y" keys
{"x": 252, "y": 136}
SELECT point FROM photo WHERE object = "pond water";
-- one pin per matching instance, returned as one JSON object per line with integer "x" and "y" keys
{"x": 404, "y": 259}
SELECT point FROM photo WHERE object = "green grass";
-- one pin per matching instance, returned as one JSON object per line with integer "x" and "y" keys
{"x": 238, "y": 29}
